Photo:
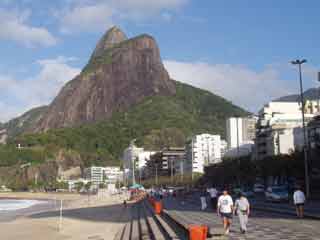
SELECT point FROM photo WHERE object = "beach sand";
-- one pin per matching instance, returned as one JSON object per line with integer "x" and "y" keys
{"x": 99, "y": 217}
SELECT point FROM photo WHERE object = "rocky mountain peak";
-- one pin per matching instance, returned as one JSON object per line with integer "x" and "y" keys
{"x": 120, "y": 74}
{"x": 112, "y": 37}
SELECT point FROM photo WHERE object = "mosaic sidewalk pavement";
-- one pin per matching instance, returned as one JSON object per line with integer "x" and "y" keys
{"x": 262, "y": 225}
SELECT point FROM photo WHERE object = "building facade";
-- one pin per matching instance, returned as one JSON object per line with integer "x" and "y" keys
{"x": 167, "y": 162}
{"x": 279, "y": 128}
{"x": 97, "y": 175}
{"x": 202, "y": 150}
{"x": 240, "y": 131}
{"x": 314, "y": 152}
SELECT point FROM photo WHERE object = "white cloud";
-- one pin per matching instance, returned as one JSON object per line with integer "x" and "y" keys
{"x": 238, "y": 83}
{"x": 98, "y": 15}
{"x": 87, "y": 18}
{"x": 14, "y": 27}
{"x": 22, "y": 95}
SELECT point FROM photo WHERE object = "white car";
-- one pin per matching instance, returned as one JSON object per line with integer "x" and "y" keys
{"x": 277, "y": 194}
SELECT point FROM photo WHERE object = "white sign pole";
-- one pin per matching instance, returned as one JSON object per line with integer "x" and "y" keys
{"x": 60, "y": 218}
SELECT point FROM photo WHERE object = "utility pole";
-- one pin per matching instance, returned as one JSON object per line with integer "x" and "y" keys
{"x": 306, "y": 163}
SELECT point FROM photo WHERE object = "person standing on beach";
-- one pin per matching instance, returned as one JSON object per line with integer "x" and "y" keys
{"x": 242, "y": 208}
{"x": 213, "y": 196}
{"x": 299, "y": 200}
{"x": 225, "y": 210}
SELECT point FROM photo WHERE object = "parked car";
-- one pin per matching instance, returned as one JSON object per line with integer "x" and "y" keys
{"x": 245, "y": 191}
{"x": 277, "y": 194}
{"x": 258, "y": 188}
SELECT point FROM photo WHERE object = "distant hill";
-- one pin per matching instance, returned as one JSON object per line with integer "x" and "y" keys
{"x": 310, "y": 94}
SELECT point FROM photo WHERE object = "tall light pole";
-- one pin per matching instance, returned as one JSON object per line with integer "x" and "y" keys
{"x": 318, "y": 94}
{"x": 306, "y": 165}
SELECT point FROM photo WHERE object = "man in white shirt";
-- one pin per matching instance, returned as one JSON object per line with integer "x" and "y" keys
{"x": 213, "y": 196}
{"x": 299, "y": 200}
{"x": 225, "y": 210}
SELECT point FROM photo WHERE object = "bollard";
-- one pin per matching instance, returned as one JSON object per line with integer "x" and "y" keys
{"x": 158, "y": 207}
{"x": 198, "y": 232}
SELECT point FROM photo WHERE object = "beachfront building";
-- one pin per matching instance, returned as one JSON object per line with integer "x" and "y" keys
{"x": 94, "y": 174}
{"x": 97, "y": 175}
{"x": 279, "y": 128}
{"x": 202, "y": 150}
{"x": 167, "y": 162}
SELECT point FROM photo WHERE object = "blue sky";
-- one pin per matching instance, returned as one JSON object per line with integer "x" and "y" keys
{"x": 237, "y": 49}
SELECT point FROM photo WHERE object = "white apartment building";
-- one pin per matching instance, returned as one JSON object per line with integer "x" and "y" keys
{"x": 203, "y": 150}
{"x": 240, "y": 136}
{"x": 279, "y": 128}
{"x": 240, "y": 131}
{"x": 94, "y": 174}
{"x": 98, "y": 175}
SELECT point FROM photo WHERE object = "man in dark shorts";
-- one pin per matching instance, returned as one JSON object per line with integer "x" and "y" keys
{"x": 225, "y": 210}
{"x": 299, "y": 200}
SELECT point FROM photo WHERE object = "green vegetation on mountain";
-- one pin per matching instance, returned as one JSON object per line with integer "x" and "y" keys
{"x": 157, "y": 122}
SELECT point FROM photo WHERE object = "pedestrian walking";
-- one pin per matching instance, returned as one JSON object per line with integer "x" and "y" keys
{"x": 242, "y": 208}
{"x": 213, "y": 197}
{"x": 225, "y": 210}
{"x": 203, "y": 200}
{"x": 299, "y": 201}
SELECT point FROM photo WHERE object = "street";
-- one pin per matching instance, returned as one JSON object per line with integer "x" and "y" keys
{"x": 262, "y": 224}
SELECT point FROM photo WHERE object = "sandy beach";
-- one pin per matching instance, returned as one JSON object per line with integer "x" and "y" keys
{"x": 97, "y": 217}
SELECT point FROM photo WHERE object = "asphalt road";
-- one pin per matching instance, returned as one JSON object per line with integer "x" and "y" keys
{"x": 262, "y": 224}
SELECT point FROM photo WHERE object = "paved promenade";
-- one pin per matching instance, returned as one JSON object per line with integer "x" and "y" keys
{"x": 262, "y": 225}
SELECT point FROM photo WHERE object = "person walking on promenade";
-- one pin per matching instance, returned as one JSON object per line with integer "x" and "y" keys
{"x": 299, "y": 200}
{"x": 242, "y": 208}
{"x": 225, "y": 210}
{"x": 203, "y": 199}
{"x": 213, "y": 196}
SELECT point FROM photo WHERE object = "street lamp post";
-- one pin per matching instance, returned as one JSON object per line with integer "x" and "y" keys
{"x": 306, "y": 165}
{"x": 318, "y": 94}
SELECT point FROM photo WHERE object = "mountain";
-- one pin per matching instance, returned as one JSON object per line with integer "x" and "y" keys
{"x": 157, "y": 122}
{"x": 123, "y": 93}
{"x": 310, "y": 94}
{"x": 22, "y": 124}
{"x": 120, "y": 74}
